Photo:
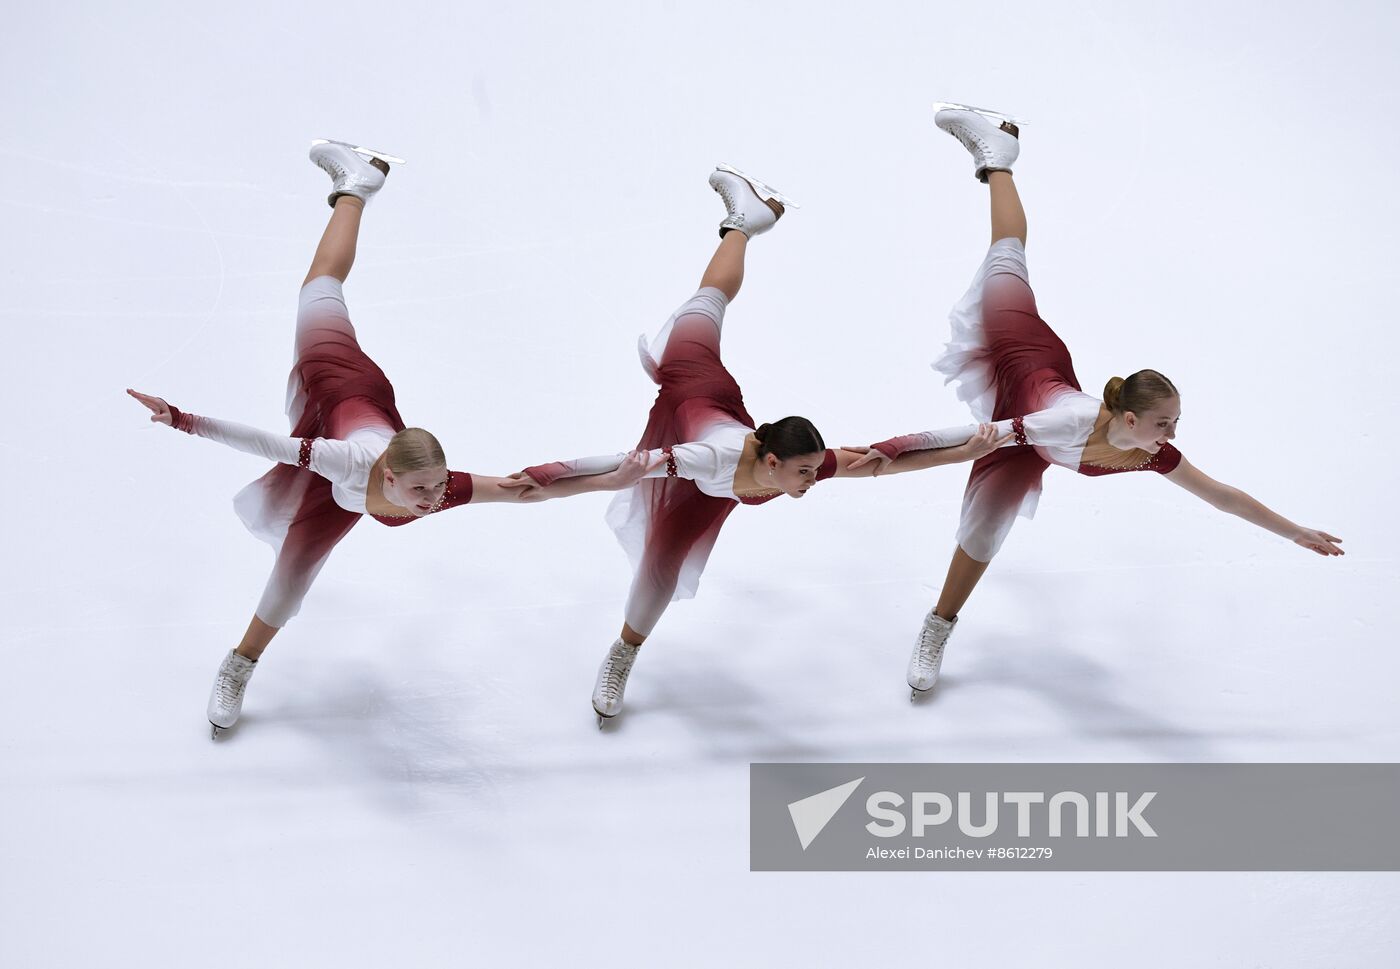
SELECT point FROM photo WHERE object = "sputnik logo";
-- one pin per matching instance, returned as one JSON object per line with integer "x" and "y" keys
{"x": 811, "y": 814}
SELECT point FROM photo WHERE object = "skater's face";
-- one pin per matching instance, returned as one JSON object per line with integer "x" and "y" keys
{"x": 1155, "y": 428}
{"x": 795, "y": 475}
{"x": 418, "y": 491}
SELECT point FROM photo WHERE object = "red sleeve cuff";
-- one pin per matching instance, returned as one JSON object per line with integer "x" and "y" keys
{"x": 179, "y": 420}
{"x": 546, "y": 474}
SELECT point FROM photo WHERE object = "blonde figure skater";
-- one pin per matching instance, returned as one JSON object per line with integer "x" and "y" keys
{"x": 1015, "y": 372}
{"x": 704, "y": 454}
{"x": 349, "y": 454}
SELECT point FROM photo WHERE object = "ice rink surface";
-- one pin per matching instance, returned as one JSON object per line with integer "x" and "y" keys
{"x": 417, "y": 779}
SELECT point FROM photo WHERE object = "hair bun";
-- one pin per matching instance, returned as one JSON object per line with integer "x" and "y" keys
{"x": 761, "y": 432}
{"x": 1138, "y": 393}
{"x": 1111, "y": 393}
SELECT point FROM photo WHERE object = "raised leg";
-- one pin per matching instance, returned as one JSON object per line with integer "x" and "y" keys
{"x": 335, "y": 255}
{"x": 726, "y": 269}
{"x": 1008, "y": 217}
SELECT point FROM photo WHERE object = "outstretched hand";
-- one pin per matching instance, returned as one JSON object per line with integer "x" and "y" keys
{"x": 1319, "y": 542}
{"x": 984, "y": 442}
{"x": 160, "y": 410}
{"x": 869, "y": 455}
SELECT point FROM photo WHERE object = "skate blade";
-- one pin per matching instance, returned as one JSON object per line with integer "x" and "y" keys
{"x": 361, "y": 150}
{"x": 765, "y": 192}
{"x": 602, "y": 719}
{"x": 215, "y": 730}
{"x": 984, "y": 112}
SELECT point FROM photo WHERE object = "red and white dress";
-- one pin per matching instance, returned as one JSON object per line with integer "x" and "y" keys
{"x": 668, "y": 522}
{"x": 1013, "y": 371}
{"x": 342, "y": 413}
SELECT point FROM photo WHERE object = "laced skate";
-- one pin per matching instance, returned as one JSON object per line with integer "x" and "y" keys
{"x": 350, "y": 167}
{"x": 746, "y": 200}
{"x": 612, "y": 680}
{"x": 226, "y": 699}
{"x": 928, "y": 654}
{"x": 992, "y": 138}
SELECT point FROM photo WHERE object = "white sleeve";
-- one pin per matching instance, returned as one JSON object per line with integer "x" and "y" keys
{"x": 1052, "y": 427}
{"x": 698, "y": 462}
{"x": 595, "y": 464}
{"x": 329, "y": 458}
{"x": 941, "y": 438}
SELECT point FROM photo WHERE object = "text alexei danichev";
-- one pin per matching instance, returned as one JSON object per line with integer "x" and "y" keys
{"x": 895, "y": 854}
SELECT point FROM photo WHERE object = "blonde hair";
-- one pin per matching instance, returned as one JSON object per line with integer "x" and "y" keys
{"x": 1138, "y": 393}
{"x": 414, "y": 449}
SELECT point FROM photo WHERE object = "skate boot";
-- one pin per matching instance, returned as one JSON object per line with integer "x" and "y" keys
{"x": 746, "y": 200}
{"x": 928, "y": 654}
{"x": 992, "y": 137}
{"x": 226, "y": 699}
{"x": 352, "y": 168}
{"x": 612, "y": 680}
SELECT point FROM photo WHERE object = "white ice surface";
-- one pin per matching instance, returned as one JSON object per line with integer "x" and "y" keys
{"x": 417, "y": 779}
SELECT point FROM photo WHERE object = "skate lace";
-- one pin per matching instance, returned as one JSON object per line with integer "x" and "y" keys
{"x": 229, "y": 688}
{"x": 931, "y": 643}
{"x": 970, "y": 140}
{"x": 728, "y": 198}
{"x": 332, "y": 169}
{"x": 615, "y": 673}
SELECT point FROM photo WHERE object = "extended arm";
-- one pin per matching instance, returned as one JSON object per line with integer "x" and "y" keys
{"x": 325, "y": 457}
{"x": 1236, "y": 502}
{"x": 917, "y": 452}
{"x": 562, "y": 479}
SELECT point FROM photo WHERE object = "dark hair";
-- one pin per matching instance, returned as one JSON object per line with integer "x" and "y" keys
{"x": 1138, "y": 393}
{"x": 788, "y": 438}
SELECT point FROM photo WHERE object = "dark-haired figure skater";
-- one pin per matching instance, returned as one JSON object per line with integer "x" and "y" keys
{"x": 705, "y": 454}
{"x": 1014, "y": 371}
{"x": 349, "y": 454}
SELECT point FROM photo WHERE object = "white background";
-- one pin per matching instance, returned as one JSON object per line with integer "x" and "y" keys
{"x": 417, "y": 779}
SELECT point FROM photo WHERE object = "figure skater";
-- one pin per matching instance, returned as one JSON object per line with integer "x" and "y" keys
{"x": 705, "y": 455}
{"x": 1014, "y": 371}
{"x": 349, "y": 454}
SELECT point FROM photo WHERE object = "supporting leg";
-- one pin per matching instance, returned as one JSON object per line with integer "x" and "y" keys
{"x": 1008, "y": 217}
{"x": 963, "y": 574}
{"x": 631, "y": 637}
{"x": 255, "y": 640}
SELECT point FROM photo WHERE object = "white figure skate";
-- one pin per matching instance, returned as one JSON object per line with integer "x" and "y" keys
{"x": 612, "y": 680}
{"x": 226, "y": 699}
{"x": 928, "y": 654}
{"x": 350, "y": 169}
{"x": 746, "y": 200}
{"x": 993, "y": 138}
